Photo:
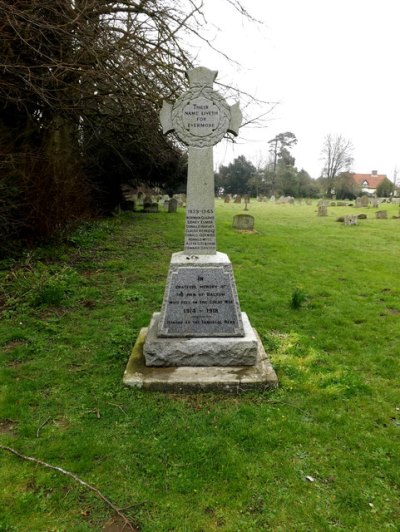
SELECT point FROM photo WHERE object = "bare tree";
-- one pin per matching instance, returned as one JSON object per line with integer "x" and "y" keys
{"x": 81, "y": 86}
{"x": 337, "y": 155}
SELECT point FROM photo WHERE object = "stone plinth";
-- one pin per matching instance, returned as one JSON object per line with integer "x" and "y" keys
{"x": 231, "y": 379}
{"x": 211, "y": 351}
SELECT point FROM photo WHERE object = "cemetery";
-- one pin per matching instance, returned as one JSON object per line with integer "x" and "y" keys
{"x": 183, "y": 347}
{"x": 323, "y": 448}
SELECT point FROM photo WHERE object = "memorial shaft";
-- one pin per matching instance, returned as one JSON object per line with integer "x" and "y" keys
{"x": 200, "y": 213}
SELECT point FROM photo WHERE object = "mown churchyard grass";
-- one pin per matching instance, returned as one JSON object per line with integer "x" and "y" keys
{"x": 320, "y": 453}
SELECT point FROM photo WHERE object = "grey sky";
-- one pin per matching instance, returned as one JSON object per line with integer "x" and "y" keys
{"x": 332, "y": 64}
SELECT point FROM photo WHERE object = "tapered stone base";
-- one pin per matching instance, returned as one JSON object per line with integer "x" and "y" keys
{"x": 200, "y": 298}
{"x": 231, "y": 379}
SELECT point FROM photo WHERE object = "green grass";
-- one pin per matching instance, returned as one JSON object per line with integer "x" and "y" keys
{"x": 71, "y": 314}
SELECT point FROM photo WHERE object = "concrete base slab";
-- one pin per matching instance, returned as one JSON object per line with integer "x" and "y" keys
{"x": 185, "y": 379}
{"x": 211, "y": 351}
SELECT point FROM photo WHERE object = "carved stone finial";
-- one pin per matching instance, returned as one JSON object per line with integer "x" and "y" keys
{"x": 201, "y": 76}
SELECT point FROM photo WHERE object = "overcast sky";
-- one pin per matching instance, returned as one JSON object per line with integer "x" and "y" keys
{"x": 333, "y": 66}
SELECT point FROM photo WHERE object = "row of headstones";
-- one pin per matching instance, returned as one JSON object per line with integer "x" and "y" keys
{"x": 152, "y": 203}
{"x": 323, "y": 211}
{"x": 237, "y": 198}
{"x": 282, "y": 200}
{"x": 362, "y": 202}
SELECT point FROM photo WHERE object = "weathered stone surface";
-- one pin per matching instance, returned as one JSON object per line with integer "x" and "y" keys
{"x": 350, "y": 219}
{"x": 381, "y": 215}
{"x": 322, "y": 210}
{"x": 200, "y": 339}
{"x": 200, "y": 298}
{"x": 172, "y": 205}
{"x": 200, "y": 213}
{"x": 211, "y": 351}
{"x": 150, "y": 207}
{"x": 243, "y": 221}
{"x": 231, "y": 379}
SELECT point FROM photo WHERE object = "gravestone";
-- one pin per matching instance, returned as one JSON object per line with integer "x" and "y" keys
{"x": 200, "y": 330}
{"x": 272, "y": 199}
{"x": 382, "y": 215}
{"x": 243, "y": 222}
{"x": 238, "y": 199}
{"x": 350, "y": 219}
{"x": 358, "y": 204}
{"x": 150, "y": 207}
{"x": 322, "y": 210}
{"x": 172, "y": 205}
{"x": 364, "y": 200}
{"x": 375, "y": 203}
{"x": 227, "y": 198}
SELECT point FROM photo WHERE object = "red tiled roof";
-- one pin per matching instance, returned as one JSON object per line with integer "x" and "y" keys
{"x": 373, "y": 180}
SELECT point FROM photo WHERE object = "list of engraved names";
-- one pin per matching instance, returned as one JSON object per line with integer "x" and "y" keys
{"x": 200, "y": 230}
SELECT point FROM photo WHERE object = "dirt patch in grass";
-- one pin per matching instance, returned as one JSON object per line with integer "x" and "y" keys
{"x": 7, "y": 427}
{"x": 53, "y": 311}
{"x": 13, "y": 344}
{"x": 116, "y": 524}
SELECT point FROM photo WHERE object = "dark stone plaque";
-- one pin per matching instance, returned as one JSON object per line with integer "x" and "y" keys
{"x": 201, "y": 302}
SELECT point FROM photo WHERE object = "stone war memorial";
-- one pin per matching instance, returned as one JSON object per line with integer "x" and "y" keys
{"x": 200, "y": 340}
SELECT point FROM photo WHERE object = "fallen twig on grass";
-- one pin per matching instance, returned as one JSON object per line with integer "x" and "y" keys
{"x": 127, "y": 522}
{"x": 41, "y": 426}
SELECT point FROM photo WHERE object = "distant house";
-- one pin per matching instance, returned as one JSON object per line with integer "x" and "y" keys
{"x": 369, "y": 182}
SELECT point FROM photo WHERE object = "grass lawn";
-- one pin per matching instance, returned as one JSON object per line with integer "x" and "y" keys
{"x": 320, "y": 453}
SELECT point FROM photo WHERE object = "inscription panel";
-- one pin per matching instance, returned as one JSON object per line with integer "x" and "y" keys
{"x": 201, "y": 302}
{"x": 199, "y": 230}
{"x": 200, "y": 117}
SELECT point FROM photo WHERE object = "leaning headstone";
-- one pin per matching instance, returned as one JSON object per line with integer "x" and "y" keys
{"x": 243, "y": 222}
{"x": 238, "y": 199}
{"x": 227, "y": 198}
{"x": 364, "y": 200}
{"x": 200, "y": 331}
{"x": 381, "y": 215}
{"x": 322, "y": 210}
{"x": 172, "y": 205}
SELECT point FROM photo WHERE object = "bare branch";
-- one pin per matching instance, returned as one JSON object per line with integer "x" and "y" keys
{"x": 107, "y": 501}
